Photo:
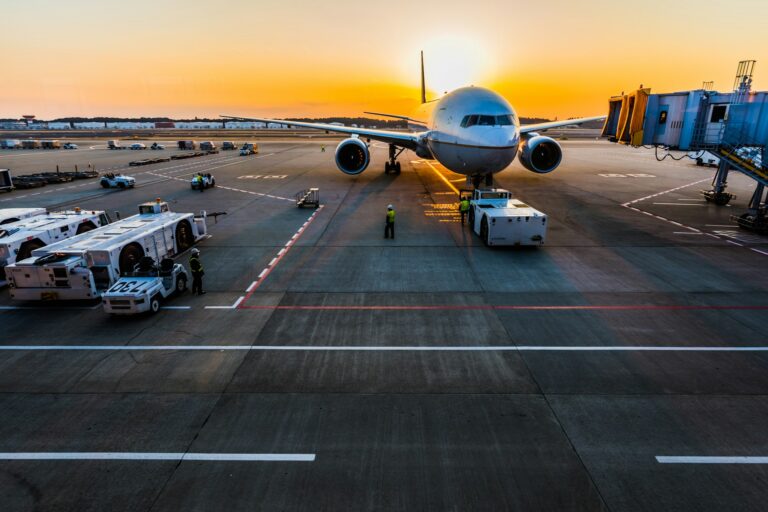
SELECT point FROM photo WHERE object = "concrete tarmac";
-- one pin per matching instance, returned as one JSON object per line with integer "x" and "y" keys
{"x": 428, "y": 372}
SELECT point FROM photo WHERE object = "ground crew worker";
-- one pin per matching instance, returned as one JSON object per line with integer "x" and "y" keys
{"x": 389, "y": 227}
{"x": 200, "y": 182}
{"x": 322, "y": 149}
{"x": 463, "y": 208}
{"x": 197, "y": 272}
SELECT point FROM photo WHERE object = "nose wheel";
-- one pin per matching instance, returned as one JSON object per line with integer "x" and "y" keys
{"x": 480, "y": 179}
{"x": 392, "y": 165}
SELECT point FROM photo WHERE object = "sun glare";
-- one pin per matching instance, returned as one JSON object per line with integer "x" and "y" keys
{"x": 453, "y": 62}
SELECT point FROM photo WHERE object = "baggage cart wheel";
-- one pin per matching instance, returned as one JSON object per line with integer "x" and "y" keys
{"x": 154, "y": 304}
{"x": 181, "y": 284}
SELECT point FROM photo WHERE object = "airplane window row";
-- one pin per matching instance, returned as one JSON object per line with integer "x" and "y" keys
{"x": 472, "y": 120}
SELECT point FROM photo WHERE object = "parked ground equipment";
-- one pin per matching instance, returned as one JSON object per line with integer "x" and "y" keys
{"x": 498, "y": 219}
{"x": 19, "y": 239}
{"x": 87, "y": 265}
{"x": 143, "y": 289}
{"x": 112, "y": 180}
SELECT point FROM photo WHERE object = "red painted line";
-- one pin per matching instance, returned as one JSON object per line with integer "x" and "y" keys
{"x": 275, "y": 262}
{"x": 509, "y": 307}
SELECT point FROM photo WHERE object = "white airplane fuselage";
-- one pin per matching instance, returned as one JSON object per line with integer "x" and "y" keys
{"x": 470, "y": 131}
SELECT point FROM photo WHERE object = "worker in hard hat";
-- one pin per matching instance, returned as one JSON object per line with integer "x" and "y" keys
{"x": 389, "y": 227}
{"x": 463, "y": 208}
{"x": 197, "y": 272}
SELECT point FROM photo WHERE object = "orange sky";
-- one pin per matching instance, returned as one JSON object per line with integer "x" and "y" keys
{"x": 299, "y": 58}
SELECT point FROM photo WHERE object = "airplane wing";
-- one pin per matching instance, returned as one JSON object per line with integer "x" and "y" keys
{"x": 557, "y": 124}
{"x": 401, "y": 139}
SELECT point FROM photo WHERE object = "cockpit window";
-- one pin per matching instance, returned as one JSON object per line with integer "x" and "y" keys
{"x": 502, "y": 120}
{"x": 468, "y": 121}
{"x": 486, "y": 120}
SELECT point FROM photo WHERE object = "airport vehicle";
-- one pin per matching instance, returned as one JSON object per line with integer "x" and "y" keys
{"x": 50, "y": 144}
{"x": 187, "y": 144}
{"x": 155, "y": 146}
{"x": 472, "y": 131}
{"x": 228, "y": 145}
{"x": 138, "y": 146}
{"x": 498, "y": 219}
{"x": 142, "y": 290}
{"x": 19, "y": 239}
{"x": 112, "y": 180}
{"x": 207, "y": 146}
{"x": 10, "y": 144}
{"x": 30, "y": 144}
{"x": 9, "y": 215}
{"x": 202, "y": 180}
{"x": 114, "y": 144}
{"x": 249, "y": 148}
{"x": 87, "y": 265}
{"x": 70, "y": 145}
{"x": 6, "y": 181}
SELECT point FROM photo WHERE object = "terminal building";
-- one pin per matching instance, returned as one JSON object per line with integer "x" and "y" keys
{"x": 731, "y": 126}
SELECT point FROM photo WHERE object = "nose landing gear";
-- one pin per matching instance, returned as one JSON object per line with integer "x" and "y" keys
{"x": 478, "y": 179}
{"x": 392, "y": 165}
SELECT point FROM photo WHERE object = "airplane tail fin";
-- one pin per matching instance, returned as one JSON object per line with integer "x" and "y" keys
{"x": 423, "y": 87}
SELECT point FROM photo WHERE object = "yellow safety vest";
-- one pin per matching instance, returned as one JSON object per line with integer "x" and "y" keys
{"x": 391, "y": 216}
{"x": 464, "y": 206}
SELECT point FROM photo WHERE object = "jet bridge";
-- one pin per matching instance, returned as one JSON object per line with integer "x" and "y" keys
{"x": 731, "y": 125}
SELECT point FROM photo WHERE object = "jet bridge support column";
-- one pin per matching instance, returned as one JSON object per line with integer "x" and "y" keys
{"x": 718, "y": 195}
{"x": 756, "y": 216}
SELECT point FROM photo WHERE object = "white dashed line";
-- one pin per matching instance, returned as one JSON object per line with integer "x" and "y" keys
{"x": 163, "y": 456}
{"x": 671, "y": 459}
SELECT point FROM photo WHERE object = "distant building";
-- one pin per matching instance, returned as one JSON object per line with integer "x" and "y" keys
{"x": 199, "y": 125}
{"x": 58, "y": 125}
{"x": 130, "y": 125}
{"x": 244, "y": 125}
{"x": 13, "y": 125}
{"x": 89, "y": 125}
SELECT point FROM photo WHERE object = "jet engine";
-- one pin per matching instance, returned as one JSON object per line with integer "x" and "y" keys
{"x": 352, "y": 156}
{"x": 540, "y": 154}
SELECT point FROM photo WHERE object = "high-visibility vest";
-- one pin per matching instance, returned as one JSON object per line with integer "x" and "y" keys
{"x": 464, "y": 205}
{"x": 195, "y": 265}
{"x": 391, "y": 216}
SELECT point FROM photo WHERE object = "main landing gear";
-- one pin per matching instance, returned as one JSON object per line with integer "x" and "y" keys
{"x": 392, "y": 165}
{"x": 478, "y": 179}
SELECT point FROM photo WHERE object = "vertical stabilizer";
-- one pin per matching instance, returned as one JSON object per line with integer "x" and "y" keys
{"x": 423, "y": 87}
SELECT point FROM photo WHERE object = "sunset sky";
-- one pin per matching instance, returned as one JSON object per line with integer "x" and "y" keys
{"x": 186, "y": 58}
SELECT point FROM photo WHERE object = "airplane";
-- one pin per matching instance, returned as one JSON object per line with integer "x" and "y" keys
{"x": 471, "y": 131}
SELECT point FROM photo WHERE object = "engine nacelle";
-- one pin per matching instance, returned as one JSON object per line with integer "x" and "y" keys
{"x": 540, "y": 154}
{"x": 352, "y": 156}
